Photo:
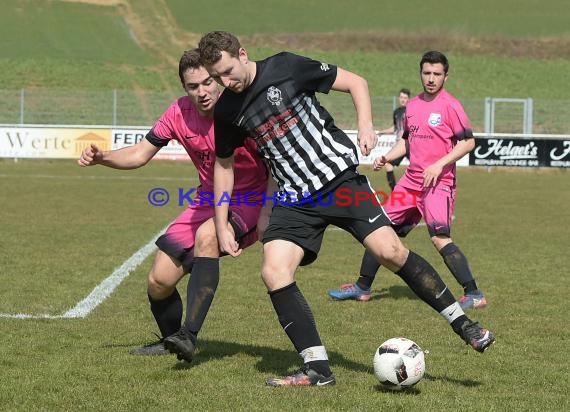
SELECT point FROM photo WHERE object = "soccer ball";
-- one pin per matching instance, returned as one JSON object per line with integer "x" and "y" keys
{"x": 399, "y": 363}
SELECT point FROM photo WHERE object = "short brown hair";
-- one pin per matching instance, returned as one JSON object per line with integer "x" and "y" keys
{"x": 214, "y": 43}
{"x": 434, "y": 57}
{"x": 190, "y": 60}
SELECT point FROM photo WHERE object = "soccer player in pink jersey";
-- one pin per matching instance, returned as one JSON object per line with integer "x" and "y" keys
{"x": 190, "y": 245}
{"x": 437, "y": 133}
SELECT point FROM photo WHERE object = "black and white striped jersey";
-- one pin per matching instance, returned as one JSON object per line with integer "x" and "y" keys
{"x": 279, "y": 110}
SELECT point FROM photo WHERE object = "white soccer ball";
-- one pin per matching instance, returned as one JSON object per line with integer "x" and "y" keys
{"x": 399, "y": 363}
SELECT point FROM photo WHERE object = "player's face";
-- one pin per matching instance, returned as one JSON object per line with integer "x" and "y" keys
{"x": 232, "y": 72}
{"x": 404, "y": 99}
{"x": 202, "y": 90}
{"x": 433, "y": 78}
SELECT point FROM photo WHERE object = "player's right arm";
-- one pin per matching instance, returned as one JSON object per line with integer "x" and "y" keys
{"x": 389, "y": 130}
{"x": 399, "y": 150}
{"x": 223, "y": 186}
{"x": 357, "y": 86}
{"x": 131, "y": 157}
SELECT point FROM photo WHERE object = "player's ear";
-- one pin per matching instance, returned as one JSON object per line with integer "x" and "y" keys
{"x": 242, "y": 55}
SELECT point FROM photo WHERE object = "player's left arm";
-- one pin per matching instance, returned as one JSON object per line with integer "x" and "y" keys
{"x": 223, "y": 185}
{"x": 432, "y": 172}
{"x": 357, "y": 86}
{"x": 462, "y": 132}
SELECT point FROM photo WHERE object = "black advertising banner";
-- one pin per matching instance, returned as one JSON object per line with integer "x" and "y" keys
{"x": 558, "y": 153}
{"x": 518, "y": 152}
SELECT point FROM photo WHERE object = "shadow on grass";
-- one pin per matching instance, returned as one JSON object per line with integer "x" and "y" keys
{"x": 413, "y": 391}
{"x": 272, "y": 360}
{"x": 468, "y": 383}
{"x": 394, "y": 292}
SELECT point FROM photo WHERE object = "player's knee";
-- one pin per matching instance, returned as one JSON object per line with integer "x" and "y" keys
{"x": 387, "y": 247}
{"x": 159, "y": 287}
{"x": 275, "y": 276}
{"x": 206, "y": 243}
{"x": 440, "y": 241}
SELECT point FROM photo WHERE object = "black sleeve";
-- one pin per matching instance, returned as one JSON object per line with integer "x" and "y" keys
{"x": 228, "y": 136}
{"x": 155, "y": 140}
{"x": 310, "y": 74}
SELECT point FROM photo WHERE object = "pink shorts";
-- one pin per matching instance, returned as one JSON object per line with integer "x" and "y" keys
{"x": 178, "y": 240}
{"x": 406, "y": 207}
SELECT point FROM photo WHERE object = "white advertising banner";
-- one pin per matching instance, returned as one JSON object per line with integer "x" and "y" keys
{"x": 50, "y": 142}
{"x": 127, "y": 137}
{"x": 385, "y": 143}
{"x": 61, "y": 142}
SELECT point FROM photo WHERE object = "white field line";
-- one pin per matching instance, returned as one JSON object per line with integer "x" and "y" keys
{"x": 98, "y": 177}
{"x": 102, "y": 291}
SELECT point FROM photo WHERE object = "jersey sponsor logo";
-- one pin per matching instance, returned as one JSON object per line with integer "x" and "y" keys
{"x": 434, "y": 119}
{"x": 274, "y": 96}
{"x": 325, "y": 67}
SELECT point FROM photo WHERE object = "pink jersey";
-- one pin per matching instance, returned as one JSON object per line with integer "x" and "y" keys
{"x": 182, "y": 122}
{"x": 433, "y": 129}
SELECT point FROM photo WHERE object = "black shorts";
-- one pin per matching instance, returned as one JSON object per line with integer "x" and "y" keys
{"x": 347, "y": 202}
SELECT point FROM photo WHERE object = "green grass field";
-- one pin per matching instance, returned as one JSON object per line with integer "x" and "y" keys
{"x": 65, "y": 229}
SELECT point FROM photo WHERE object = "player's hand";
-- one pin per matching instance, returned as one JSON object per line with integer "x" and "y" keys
{"x": 367, "y": 140}
{"x": 431, "y": 174}
{"x": 379, "y": 162}
{"x": 90, "y": 156}
{"x": 228, "y": 243}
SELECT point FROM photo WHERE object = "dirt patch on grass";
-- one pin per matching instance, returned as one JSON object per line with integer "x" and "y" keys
{"x": 538, "y": 48}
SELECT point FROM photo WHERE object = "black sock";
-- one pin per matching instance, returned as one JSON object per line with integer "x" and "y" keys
{"x": 368, "y": 269}
{"x": 296, "y": 318}
{"x": 391, "y": 180}
{"x": 202, "y": 285}
{"x": 167, "y": 313}
{"x": 456, "y": 261}
{"x": 422, "y": 278}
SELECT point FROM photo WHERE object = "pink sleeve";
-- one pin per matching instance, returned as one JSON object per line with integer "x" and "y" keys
{"x": 460, "y": 123}
{"x": 164, "y": 126}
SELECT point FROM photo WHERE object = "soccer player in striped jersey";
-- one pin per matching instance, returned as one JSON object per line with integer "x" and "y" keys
{"x": 314, "y": 163}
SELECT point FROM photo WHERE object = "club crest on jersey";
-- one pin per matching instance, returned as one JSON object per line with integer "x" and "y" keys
{"x": 434, "y": 119}
{"x": 325, "y": 67}
{"x": 274, "y": 96}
